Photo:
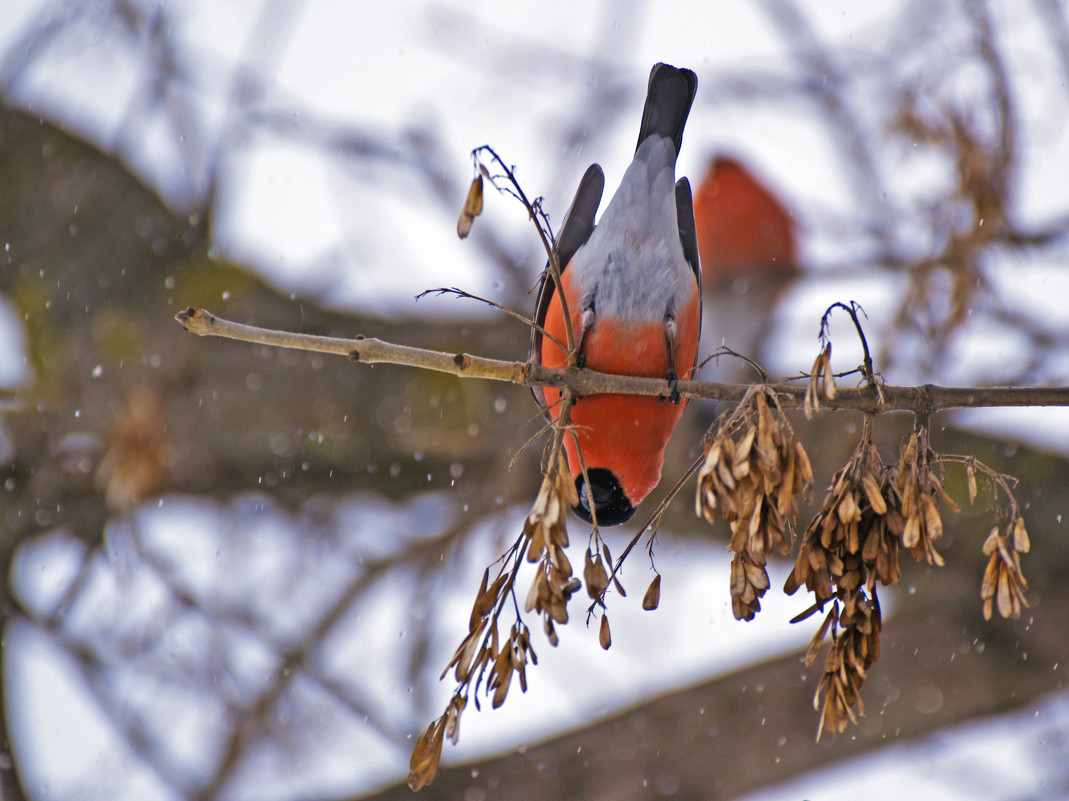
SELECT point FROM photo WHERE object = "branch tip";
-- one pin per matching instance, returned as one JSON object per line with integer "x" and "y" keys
{"x": 196, "y": 321}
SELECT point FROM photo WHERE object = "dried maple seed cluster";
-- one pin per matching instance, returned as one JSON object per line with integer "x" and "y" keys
{"x": 919, "y": 490}
{"x": 854, "y": 538}
{"x": 850, "y": 544}
{"x": 597, "y": 572}
{"x": 512, "y": 659}
{"x": 464, "y": 661}
{"x": 477, "y": 652}
{"x": 852, "y": 652}
{"x": 754, "y": 467}
{"x": 1003, "y": 582}
{"x": 483, "y": 654}
{"x": 546, "y": 534}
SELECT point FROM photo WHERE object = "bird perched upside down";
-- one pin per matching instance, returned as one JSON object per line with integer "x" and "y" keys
{"x": 633, "y": 288}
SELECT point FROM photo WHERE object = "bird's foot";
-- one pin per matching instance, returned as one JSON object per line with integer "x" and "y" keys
{"x": 673, "y": 387}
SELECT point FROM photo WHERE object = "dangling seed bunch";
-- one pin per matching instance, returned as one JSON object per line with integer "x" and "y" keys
{"x": 919, "y": 491}
{"x": 853, "y": 651}
{"x": 483, "y": 654}
{"x": 1003, "y": 581}
{"x": 1003, "y": 584}
{"x": 754, "y": 467}
{"x": 547, "y": 537}
{"x": 852, "y": 542}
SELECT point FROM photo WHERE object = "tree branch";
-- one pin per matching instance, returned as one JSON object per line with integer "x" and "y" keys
{"x": 369, "y": 350}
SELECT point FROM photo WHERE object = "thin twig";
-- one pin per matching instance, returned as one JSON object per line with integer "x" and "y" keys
{"x": 584, "y": 382}
{"x": 460, "y": 293}
{"x": 545, "y": 233}
{"x": 653, "y": 521}
{"x": 867, "y": 369}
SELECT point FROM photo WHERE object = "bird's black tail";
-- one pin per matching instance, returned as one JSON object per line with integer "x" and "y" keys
{"x": 668, "y": 100}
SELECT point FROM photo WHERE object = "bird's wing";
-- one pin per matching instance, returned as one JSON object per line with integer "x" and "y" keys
{"x": 688, "y": 234}
{"x": 688, "y": 238}
{"x": 575, "y": 231}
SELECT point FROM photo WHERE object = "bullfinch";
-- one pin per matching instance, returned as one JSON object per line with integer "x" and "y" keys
{"x": 633, "y": 288}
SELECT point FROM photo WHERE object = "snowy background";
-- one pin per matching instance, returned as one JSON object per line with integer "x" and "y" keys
{"x": 307, "y": 131}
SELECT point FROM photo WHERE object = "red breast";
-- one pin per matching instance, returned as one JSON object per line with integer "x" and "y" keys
{"x": 626, "y": 432}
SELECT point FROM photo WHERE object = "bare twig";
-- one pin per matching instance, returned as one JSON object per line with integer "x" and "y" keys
{"x": 460, "y": 293}
{"x": 583, "y": 382}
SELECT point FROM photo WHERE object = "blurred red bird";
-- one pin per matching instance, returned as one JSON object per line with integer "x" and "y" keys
{"x": 633, "y": 287}
{"x": 749, "y": 254}
{"x": 742, "y": 227}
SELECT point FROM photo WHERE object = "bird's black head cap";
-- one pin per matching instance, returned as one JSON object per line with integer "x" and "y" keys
{"x": 610, "y": 501}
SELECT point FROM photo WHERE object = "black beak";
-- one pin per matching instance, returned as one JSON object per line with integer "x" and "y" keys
{"x": 610, "y": 502}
